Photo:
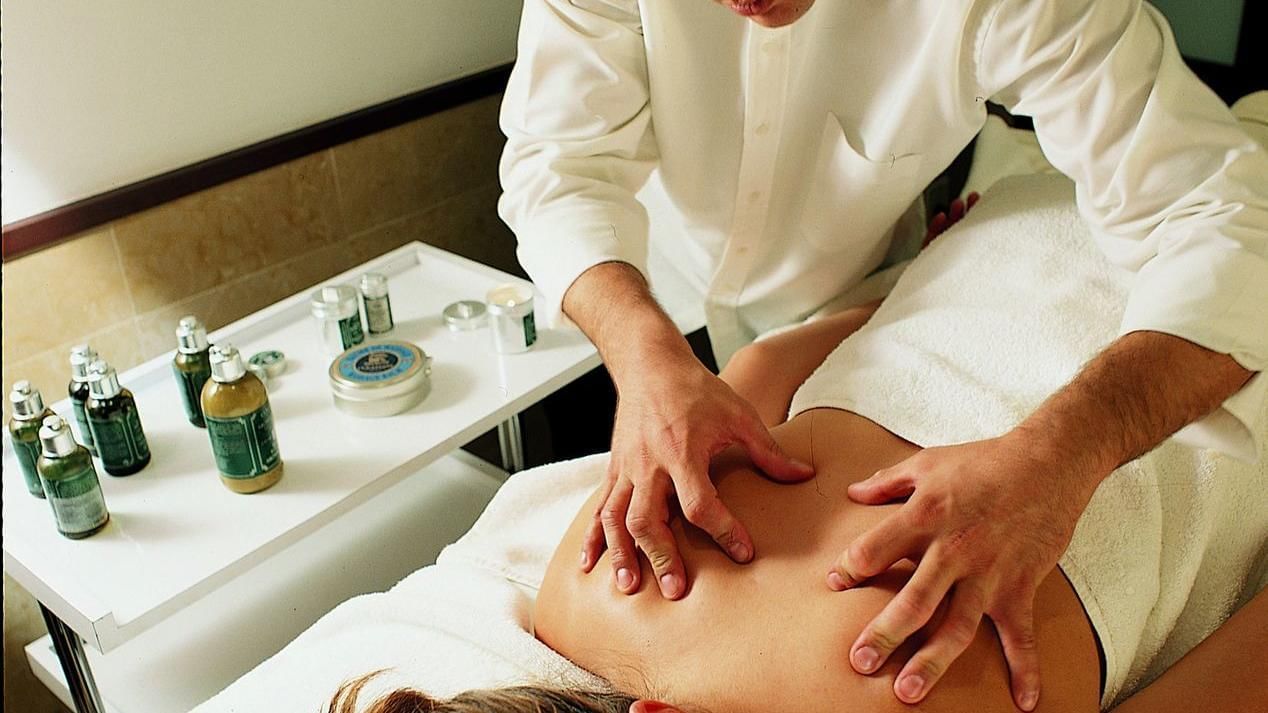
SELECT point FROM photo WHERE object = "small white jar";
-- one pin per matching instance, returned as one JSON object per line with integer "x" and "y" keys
{"x": 338, "y": 318}
{"x": 511, "y": 320}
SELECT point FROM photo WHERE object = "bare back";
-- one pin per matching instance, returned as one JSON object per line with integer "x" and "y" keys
{"x": 770, "y": 635}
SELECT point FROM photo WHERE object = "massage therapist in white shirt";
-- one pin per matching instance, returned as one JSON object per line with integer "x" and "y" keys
{"x": 790, "y": 136}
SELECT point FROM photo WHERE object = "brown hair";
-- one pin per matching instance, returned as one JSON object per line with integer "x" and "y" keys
{"x": 517, "y": 699}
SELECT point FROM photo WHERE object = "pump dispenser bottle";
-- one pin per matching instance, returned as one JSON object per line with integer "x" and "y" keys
{"x": 115, "y": 422}
{"x": 24, "y": 428}
{"x": 70, "y": 481}
{"x": 240, "y": 424}
{"x": 81, "y": 355}
{"x": 192, "y": 366}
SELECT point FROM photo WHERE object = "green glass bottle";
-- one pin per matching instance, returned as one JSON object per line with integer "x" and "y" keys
{"x": 81, "y": 355}
{"x": 70, "y": 481}
{"x": 192, "y": 366}
{"x": 240, "y": 424}
{"x": 24, "y": 429}
{"x": 115, "y": 422}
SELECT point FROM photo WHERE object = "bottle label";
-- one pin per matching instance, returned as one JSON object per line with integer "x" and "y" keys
{"x": 530, "y": 330}
{"x": 244, "y": 446}
{"x": 350, "y": 331}
{"x": 119, "y": 437}
{"x": 28, "y": 453}
{"x": 81, "y": 417}
{"x": 378, "y": 315}
{"x": 192, "y": 390}
{"x": 78, "y": 504}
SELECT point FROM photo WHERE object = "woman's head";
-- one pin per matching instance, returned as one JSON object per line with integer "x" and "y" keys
{"x": 517, "y": 699}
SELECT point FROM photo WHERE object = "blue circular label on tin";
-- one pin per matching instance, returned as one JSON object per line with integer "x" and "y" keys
{"x": 376, "y": 362}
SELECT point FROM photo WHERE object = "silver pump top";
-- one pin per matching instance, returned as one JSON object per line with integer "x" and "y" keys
{"x": 25, "y": 401}
{"x": 55, "y": 438}
{"x": 103, "y": 380}
{"x": 81, "y": 355}
{"x": 373, "y": 285}
{"x": 333, "y": 302}
{"x": 226, "y": 363}
{"x": 191, "y": 335}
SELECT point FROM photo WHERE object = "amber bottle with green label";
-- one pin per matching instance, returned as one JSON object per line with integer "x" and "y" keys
{"x": 81, "y": 355}
{"x": 70, "y": 482}
{"x": 24, "y": 429}
{"x": 240, "y": 424}
{"x": 192, "y": 366}
{"x": 115, "y": 422}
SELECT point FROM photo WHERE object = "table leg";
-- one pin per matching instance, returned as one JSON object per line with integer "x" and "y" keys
{"x": 512, "y": 444}
{"x": 70, "y": 652}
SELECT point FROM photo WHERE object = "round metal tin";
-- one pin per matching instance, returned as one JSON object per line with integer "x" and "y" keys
{"x": 380, "y": 379}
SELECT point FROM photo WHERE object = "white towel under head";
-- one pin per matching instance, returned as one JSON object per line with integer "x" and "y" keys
{"x": 999, "y": 313}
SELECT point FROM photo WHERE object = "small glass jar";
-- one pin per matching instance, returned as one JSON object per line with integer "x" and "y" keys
{"x": 338, "y": 318}
{"x": 378, "y": 306}
{"x": 511, "y": 320}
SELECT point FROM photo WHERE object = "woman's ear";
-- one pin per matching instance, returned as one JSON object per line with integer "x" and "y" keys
{"x": 646, "y": 706}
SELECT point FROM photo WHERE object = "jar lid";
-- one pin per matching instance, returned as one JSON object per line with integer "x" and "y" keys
{"x": 333, "y": 301}
{"x": 271, "y": 362}
{"x": 510, "y": 298}
{"x": 382, "y": 370}
{"x": 465, "y": 315}
{"x": 373, "y": 284}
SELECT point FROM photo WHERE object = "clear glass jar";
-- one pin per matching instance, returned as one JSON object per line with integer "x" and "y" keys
{"x": 338, "y": 318}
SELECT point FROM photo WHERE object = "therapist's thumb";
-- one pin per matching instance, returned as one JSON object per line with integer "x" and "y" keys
{"x": 768, "y": 456}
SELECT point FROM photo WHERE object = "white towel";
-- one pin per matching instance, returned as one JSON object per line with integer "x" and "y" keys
{"x": 998, "y": 314}
{"x": 463, "y": 623}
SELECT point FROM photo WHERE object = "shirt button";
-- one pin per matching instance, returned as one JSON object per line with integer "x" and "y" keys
{"x": 755, "y": 196}
{"x": 769, "y": 46}
{"x": 742, "y": 250}
{"x": 762, "y": 128}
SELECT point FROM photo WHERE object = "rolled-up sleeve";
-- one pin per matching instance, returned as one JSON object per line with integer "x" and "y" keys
{"x": 1169, "y": 183}
{"x": 579, "y": 142}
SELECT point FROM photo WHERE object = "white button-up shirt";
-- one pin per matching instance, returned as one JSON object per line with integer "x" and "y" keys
{"x": 788, "y": 154}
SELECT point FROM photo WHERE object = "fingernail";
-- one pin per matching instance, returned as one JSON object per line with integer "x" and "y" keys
{"x": 866, "y": 659}
{"x": 740, "y": 552}
{"x": 836, "y": 582}
{"x": 1029, "y": 700}
{"x": 624, "y": 579}
{"x": 803, "y": 465}
{"x": 670, "y": 585}
{"x": 911, "y": 686}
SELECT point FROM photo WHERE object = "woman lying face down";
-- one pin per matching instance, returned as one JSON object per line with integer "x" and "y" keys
{"x": 769, "y": 635}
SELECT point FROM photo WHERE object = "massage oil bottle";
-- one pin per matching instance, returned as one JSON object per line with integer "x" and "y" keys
{"x": 240, "y": 424}
{"x": 24, "y": 429}
{"x": 192, "y": 366}
{"x": 70, "y": 481}
{"x": 81, "y": 355}
{"x": 115, "y": 422}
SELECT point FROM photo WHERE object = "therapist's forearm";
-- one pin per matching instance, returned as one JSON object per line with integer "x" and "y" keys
{"x": 1143, "y": 388}
{"x": 612, "y": 303}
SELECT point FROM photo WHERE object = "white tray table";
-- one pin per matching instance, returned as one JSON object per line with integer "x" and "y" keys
{"x": 177, "y": 535}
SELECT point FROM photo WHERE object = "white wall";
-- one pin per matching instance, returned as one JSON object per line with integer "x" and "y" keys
{"x": 101, "y": 93}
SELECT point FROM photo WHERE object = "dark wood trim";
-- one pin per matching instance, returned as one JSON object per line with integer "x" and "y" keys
{"x": 40, "y": 231}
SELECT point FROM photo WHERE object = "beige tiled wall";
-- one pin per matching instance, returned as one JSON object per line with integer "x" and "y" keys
{"x": 233, "y": 249}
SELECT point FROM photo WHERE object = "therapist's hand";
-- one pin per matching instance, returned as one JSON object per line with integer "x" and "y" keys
{"x": 671, "y": 420}
{"x": 672, "y": 417}
{"x": 986, "y": 522}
